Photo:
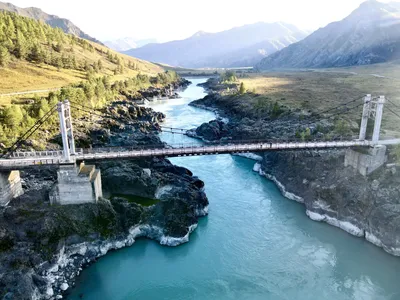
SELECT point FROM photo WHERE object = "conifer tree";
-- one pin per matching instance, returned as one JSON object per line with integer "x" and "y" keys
{"x": 21, "y": 47}
{"x": 242, "y": 89}
{"x": 4, "y": 57}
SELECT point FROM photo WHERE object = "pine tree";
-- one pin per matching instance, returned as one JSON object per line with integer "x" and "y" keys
{"x": 4, "y": 57}
{"x": 13, "y": 116}
{"x": 37, "y": 54}
{"x": 21, "y": 47}
{"x": 242, "y": 89}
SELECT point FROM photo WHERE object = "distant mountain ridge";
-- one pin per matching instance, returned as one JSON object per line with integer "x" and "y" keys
{"x": 370, "y": 34}
{"x": 237, "y": 47}
{"x": 128, "y": 43}
{"x": 54, "y": 21}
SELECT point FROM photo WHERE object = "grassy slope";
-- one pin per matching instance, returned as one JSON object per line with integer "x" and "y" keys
{"x": 23, "y": 76}
{"x": 321, "y": 89}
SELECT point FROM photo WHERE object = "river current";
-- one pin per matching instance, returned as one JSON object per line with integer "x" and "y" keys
{"x": 254, "y": 244}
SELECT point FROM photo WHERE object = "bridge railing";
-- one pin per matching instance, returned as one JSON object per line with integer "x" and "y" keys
{"x": 20, "y": 163}
{"x": 203, "y": 144}
{"x": 28, "y": 154}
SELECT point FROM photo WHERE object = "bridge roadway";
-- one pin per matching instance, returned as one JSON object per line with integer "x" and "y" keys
{"x": 21, "y": 160}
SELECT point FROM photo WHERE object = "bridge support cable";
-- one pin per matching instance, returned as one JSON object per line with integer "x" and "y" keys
{"x": 174, "y": 130}
{"x": 109, "y": 116}
{"x": 392, "y": 103}
{"x": 91, "y": 110}
{"x": 320, "y": 114}
{"x": 393, "y": 112}
{"x": 14, "y": 147}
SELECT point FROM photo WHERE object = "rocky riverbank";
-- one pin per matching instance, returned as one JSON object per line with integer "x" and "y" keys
{"x": 43, "y": 248}
{"x": 169, "y": 91}
{"x": 364, "y": 206}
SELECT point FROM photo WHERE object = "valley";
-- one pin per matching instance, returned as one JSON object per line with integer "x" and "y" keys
{"x": 126, "y": 170}
{"x": 319, "y": 89}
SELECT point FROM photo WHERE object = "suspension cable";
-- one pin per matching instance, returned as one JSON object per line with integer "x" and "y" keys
{"x": 28, "y": 133}
{"x": 340, "y": 105}
{"x": 393, "y": 112}
{"x": 395, "y": 105}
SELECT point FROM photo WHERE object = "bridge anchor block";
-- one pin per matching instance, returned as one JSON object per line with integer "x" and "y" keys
{"x": 366, "y": 161}
{"x": 77, "y": 185}
{"x": 10, "y": 186}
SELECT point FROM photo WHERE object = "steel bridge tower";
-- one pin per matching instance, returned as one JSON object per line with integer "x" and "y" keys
{"x": 67, "y": 134}
{"x": 373, "y": 109}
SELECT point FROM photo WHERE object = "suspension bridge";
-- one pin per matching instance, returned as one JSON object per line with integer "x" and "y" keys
{"x": 67, "y": 158}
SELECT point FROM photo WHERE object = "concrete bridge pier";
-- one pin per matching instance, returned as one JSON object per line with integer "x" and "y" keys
{"x": 366, "y": 161}
{"x": 77, "y": 185}
{"x": 10, "y": 186}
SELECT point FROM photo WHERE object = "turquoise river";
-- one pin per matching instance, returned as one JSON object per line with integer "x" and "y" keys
{"x": 254, "y": 244}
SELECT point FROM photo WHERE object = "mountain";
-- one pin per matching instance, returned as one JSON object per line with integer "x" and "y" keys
{"x": 35, "y": 56}
{"x": 239, "y": 46}
{"x": 128, "y": 43}
{"x": 36, "y": 13}
{"x": 370, "y": 34}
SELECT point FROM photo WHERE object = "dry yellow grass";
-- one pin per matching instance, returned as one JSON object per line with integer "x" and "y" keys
{"x": 318, "y": 90}
{"x": 22, "y": 76}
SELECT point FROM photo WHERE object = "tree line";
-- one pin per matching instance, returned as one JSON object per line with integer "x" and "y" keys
{"x": 27, "y": 39}
{"x": 96, "y": 92}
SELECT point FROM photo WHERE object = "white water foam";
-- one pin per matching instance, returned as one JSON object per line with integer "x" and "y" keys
{"x": 251, "y": 156}
{"x": 55, "y": 274}
{"x": 344, "y": 225}
{"x": 257, "y": 167}
{"x": 281, "y": 187}
{"x": 201, "y": 212}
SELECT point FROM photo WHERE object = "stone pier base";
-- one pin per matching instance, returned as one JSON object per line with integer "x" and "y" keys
{"x": 10, "y": 186}
{"x": 366, "y": 161}
{"x": 77, "y": 185}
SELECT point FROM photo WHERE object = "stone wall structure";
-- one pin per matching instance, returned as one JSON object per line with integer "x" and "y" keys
{"x": 10, "y": 186}
{"x": 77, "y": 185}
{"x": 366, "y": 162}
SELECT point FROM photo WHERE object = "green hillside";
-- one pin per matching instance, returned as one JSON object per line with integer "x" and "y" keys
{"x": 35, "y": 56}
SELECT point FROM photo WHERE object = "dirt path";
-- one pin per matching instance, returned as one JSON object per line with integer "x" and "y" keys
{"x": 30, "y": 92}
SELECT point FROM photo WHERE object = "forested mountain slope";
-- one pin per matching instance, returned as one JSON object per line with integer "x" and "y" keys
{"x": 35, "y": 56}
{"x": 54, "y": 21}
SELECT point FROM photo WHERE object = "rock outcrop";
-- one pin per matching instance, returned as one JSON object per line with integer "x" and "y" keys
{"x": 43, "y": 248}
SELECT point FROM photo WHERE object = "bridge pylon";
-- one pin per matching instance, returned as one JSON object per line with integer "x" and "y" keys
{"x": 67, "y": 134}
{"x": 373, "y": 109}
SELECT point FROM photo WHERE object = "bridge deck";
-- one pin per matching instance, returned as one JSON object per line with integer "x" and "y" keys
{"x": 20, "y": 161}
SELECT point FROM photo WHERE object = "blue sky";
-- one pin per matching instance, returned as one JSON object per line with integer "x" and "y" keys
{"x": 178, "y": 19}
